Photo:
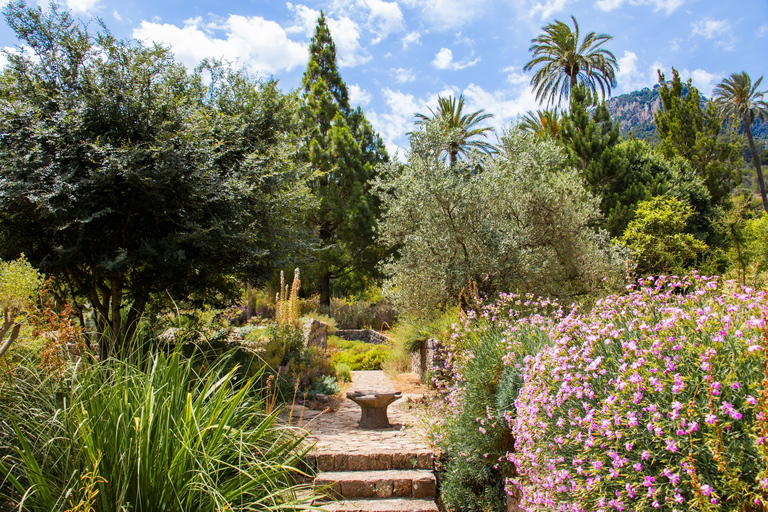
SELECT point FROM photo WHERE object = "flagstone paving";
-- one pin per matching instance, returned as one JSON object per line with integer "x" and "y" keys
{"x": 386, "y": 470}
{"x": 338, "y": 430}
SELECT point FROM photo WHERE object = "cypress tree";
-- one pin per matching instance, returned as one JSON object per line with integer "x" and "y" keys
{"x": 343, "y": 151}
{"x": 688, "y": 129}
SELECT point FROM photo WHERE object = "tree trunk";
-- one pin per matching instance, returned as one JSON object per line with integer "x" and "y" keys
{"x": 756, "y": 161}
{"x": 9, "y": 321}
{"x": 325, "y": 289}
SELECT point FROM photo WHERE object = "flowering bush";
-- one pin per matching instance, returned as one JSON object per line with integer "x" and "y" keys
{"x": 656, "y": 400}
{"x": 479, "y": 378}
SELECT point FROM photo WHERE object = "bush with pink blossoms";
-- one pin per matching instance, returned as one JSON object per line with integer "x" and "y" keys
{"x": 655, "y": 401}
{"x": 479, "y": 380}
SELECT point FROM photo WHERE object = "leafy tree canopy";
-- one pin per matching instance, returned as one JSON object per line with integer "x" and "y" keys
{"x": 522, "y": 224}
{"x": 124, "y": 176}
{"x": 564, "y": 60}
{"x": 688, "y": 130}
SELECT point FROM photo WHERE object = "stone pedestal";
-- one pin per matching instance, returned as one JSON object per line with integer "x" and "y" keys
{"x": 373, "y": 405}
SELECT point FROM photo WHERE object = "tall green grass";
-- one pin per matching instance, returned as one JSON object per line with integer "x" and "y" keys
{"x": 149, "y": 434}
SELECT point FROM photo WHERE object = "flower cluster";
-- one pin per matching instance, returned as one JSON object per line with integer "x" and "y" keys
{"x": 656, "y": 400}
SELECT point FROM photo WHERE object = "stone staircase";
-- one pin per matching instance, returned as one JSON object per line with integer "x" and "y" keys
{"x": 386, "y": 481}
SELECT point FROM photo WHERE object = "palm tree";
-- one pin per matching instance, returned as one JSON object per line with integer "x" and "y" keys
{"x": 542, "y": 123}
{"x": 565, "y": 61}
{"x": 738, "y": 98}
{"x": 459, "y": 127}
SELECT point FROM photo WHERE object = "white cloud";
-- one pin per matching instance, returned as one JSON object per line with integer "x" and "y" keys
{"x": 260, "y": 45}
{"x": 83, "y": 6}
{"x": 447, "y": 14}
{"x": 305, "y": 20}
{"x": 411, "y": 38}
{"x": 403, "y": 75}
{"x": 763, "y": 30}
{"x": 654, "y": 72}
{"x": 386, "y": 18}
{"x": 629, "y": 77}
{"x": 346, "y": 35}
{"x": 717, "y": 30}
{"x": 667, "y": 5}
{"x": 116, "y": 15}
{"x": 444, "y": 60}
{"x": 506, "y": 105}
{"x": 710, "y": 28}
{"x": 358, "y": 96}
{"x": 702, "y": 80}
{"x": 398, "y": 119}
{"x": 548, "y": 8}
{"x": 608, "y": 5}
{"x": 462, "y": 39}
{"x": 379, "y": 17}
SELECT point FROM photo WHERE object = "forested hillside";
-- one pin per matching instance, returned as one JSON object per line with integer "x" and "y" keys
{"x": 634, "y": 112}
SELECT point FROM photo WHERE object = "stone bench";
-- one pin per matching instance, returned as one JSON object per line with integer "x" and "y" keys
{"x": 373, "y": 405}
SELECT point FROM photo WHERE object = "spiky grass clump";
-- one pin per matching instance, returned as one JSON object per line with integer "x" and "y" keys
{"x": 151, "y": 434}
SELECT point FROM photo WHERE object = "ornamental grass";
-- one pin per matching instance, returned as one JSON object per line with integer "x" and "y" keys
{"x": 148, "y": 434}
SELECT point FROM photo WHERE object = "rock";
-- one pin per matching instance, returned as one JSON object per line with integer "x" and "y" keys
{"x": 316, "y": 334}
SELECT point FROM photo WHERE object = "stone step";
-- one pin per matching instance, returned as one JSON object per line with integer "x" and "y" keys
{"x": 392, "y": 505}
{"x": 378, "y": 484}
{"x": 374, "y": 461}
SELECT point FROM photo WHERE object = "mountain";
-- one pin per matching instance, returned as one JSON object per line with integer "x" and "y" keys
{"x": 634, "y": 112}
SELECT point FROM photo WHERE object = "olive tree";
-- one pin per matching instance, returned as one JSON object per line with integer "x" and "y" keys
{"x": 515, "y": 221}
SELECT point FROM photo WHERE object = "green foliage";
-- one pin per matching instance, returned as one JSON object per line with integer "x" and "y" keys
{"x": 564, "y": 61}
{"x": 19, "y": 284}
{"x": 459, "y": 127}
{"x": 343, "y": 372}
{"x": 357, "y": 355}
{"x": 741, "y": 101}
{"x": 342, "y": 150}
{"x": 151, "y": 434}
{"x": 352, "y": 313}
{"x": 688, "y": 130}
{"x": 657, "y": 239}
{"x": 520, "y": 223}
{"x": 325, "y": 385}
{"x": 542, "y": 123}
{"x": 125, "y": 177}
{"x": 410, "y": 335}
{"x": 479, "y": 382}
{"x": 476, "y": 443}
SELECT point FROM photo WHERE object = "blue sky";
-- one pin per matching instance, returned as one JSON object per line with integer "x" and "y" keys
{"x": 398, "y": 56}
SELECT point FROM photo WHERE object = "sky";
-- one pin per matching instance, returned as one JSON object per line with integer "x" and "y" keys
{"x": 397, "y": 57}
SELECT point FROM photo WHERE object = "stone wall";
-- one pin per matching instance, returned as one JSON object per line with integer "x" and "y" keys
{"x": 366, "y": 335}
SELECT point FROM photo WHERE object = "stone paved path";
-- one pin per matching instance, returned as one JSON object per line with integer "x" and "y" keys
{"x": 338, "y": 431}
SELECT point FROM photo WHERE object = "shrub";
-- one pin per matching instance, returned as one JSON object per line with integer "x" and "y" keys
{"x": 656, "y": 400}
{"x": 343, "y": 372}
{"x": 19, "y": 283}
{"x": 357, "y": 354}
{"x": 657, "y": 238}
{"x": 478, "y": 382}
{"x": 325, "y": 385}
{"x": 151, "y": 435}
